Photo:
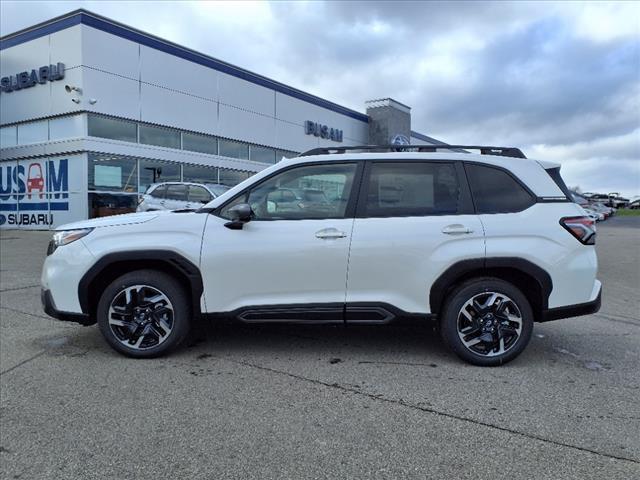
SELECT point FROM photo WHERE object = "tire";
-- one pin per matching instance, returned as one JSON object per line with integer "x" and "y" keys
{"x": 486, "y": 334}
{"x": 144, "y": 314}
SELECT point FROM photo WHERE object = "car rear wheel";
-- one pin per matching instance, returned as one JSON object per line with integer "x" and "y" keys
{"x": 487, "y": 321}
{"x": 144, "y": 314}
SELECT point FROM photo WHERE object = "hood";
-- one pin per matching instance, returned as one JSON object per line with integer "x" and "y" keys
{"x": 126, "y": 219}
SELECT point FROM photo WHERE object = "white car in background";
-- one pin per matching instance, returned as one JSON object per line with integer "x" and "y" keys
{"x": 178, "y": 196}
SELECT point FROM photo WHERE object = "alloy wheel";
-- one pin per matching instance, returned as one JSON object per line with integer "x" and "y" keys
{"x": 141, "y": 317}
{"x": 489, "y": 324}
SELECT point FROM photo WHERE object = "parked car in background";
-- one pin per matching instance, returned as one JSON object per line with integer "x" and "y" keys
{"x": 635, "y": 205}
{"x": 179, "y": 196}
{"x": 610, "y": 200}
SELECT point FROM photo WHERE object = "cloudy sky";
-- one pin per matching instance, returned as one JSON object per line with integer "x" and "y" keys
{"x": 559, "y": 80}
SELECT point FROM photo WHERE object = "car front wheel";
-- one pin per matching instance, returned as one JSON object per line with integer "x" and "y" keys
{"x": 487, "y": 321}
{"x": 144, "y": 314}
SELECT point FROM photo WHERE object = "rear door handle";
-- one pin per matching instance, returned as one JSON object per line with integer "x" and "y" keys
{"x": 456, "y": 229}
{"x": 330, "y": 233}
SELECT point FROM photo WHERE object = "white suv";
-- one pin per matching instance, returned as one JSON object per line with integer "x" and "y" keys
{"x": 487, "y": 244}
{"x": 178, "y": 196}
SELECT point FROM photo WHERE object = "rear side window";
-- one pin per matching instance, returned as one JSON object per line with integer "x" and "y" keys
{"x": 398, "y": 189}
{"x": 495, "y": 191}
{"x": 554, "y": 173}
{"x": 176, "y": 192}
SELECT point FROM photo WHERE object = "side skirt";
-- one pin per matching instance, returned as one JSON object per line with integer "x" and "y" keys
{"x": 324, "y": 313}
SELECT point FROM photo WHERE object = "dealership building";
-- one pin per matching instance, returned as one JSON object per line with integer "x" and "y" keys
{"x": 92, "y": 112}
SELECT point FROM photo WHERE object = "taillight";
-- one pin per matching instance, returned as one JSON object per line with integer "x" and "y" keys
{"x": 583, "y": 228}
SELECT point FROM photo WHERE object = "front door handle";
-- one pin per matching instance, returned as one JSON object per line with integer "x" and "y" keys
{"x": 456, "y": 229}
{"x": 330, "y": 233}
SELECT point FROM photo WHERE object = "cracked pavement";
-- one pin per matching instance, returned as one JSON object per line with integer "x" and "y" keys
{"x": 320, "y": 402}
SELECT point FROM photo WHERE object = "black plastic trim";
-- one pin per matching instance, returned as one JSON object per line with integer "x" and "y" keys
{"x": 576, "y": 310}
{"x": 450, "y": 275}
{"x": 357, "y": 313}
{"x": 50, "y": 309}
{"x": 168, "y": 257}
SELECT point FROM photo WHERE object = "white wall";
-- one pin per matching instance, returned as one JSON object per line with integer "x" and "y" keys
{"x": 137, "y": 82}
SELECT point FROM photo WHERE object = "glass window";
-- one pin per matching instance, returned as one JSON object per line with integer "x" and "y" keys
{"x": 105, "y": 127}
{"x": 285, "y": 154}
{"x": 103, "y": 204}
{"x": 8, "y": 136}
{"x": 159, "y": 192}
{"x": 495, "y": 191}
{"x": 34, "y": 132}
{"x": 412, "y": 189}
{"x": 262, "y": 154}
{"x": 199, "y": 174}
{"x": 112, "y": 172}
{"x": 162, "y": 137}
{"x": 199, "y": 194}
{"x": 217, "y": 189}
{"x": 229, "y": 148}
{"x": 66, "y": 127}
{"x": 232, "y": 177}
{"x": 200, "y": 143}
{"x": 308, "y": 192}
{"x": 156, "y": 171}
{"x": 176, "y": 192}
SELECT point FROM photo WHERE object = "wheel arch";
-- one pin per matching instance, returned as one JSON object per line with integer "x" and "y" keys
{"x": 113, "y": 265}
{"x": 534, "y": 282}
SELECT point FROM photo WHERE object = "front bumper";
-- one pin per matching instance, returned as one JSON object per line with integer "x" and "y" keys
{"x": 49, "y": 308}
{"x": 577, "y": 310}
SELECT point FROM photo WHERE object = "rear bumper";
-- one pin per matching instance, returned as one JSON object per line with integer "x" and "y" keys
{"x": 576, "y": 310}
{"x": 49, "y": 308}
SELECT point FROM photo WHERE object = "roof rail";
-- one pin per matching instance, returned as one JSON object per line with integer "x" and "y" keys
{"x": 484, "y": 150}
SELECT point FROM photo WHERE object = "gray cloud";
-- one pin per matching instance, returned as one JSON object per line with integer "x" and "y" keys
{"x": 560, "y": 80}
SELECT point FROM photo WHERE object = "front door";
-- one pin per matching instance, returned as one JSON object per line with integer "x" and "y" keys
{"x": 290, "y": 261}
{"x": 414, "y": 220}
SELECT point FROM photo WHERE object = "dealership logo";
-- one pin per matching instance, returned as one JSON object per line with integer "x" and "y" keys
{"x": 400, "y": 139}
{"x": 29, "y": 192}
{"x": 322, "y": 131}
{"x": 42, "y": 75}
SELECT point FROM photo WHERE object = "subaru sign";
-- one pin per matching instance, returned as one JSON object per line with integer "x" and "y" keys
{"x": 28, "y": 79}
{"x": 322, "y": 131}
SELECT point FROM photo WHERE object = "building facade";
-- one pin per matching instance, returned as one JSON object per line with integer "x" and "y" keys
{"x": 92, "y": 112}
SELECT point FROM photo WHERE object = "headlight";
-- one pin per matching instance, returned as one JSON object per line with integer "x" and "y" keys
{"x": 65, "y": 237}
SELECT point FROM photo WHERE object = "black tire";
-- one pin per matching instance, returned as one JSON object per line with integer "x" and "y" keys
{"x": 508, "y": 338}
{"x": 128, "y": 301}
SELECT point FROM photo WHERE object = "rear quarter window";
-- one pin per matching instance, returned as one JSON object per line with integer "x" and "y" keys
{"x": 496, "y": 191}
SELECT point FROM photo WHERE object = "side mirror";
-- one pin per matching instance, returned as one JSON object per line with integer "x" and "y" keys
{"x": 240, "y": 214}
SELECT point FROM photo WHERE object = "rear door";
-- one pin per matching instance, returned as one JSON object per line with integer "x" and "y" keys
{"x": 414, "y": 220}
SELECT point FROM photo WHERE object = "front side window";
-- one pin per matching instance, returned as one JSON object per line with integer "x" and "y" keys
{"x": 495, "y": 191}
{"x": 159, "y": 192}
{"x": 403, "y": 189}
{"x": 308, "y": 192}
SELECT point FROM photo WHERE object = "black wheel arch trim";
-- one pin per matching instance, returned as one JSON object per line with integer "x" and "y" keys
{"x": 448, "y": 278}
{"x": 173, "y": 260}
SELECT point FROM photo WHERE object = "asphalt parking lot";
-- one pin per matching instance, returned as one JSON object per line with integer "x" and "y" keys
{"x": 320, "y": 402}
